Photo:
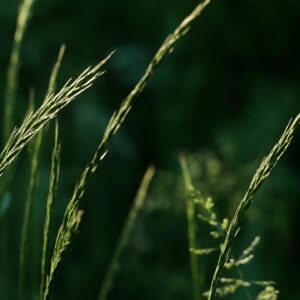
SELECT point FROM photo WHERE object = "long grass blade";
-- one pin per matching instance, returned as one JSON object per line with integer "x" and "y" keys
{"x": 13, "y": 69}
{"x": 126, "y": 232}
{"x": 262, "y": 173}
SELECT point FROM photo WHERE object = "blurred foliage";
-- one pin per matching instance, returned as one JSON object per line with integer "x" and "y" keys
{"x": 224, "y": 96}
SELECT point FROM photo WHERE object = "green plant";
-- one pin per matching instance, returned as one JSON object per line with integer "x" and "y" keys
{"x": 262, "y": 173}
{"x": 207, "y": 214}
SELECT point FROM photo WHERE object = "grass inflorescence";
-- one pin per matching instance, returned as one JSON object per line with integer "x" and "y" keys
{"x": 262, "y": 173}
{"x": 204, "y": 209}
{"x": 72, "y": 213}
{"x": 53, "y": 103}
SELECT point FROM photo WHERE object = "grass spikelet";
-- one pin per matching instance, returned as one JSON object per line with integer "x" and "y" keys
{"x": 166, "y": 48}
{"x": 52, "y": 104}
{"x": 231, "y": 285}
{"x": 54, "y": 177}
{"x": 269, "y": 293}
{"x": 246, "y": 257}
{"x": 12, "y": 74}
{"x": 128, "y": 227}
{"x": 262, "y": 173}
{"x": 65, "y": 232}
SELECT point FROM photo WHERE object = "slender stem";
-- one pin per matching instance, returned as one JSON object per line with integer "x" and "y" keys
{"x": 27, "y": 213}
{"x": 33, "y": 178}
{"x": 262, "y": 173}
{"x": 126, "y": 232}
{"x": 54, "y": 176}
{"x": 192, "y": 229}
{"x": 13, "y": 69}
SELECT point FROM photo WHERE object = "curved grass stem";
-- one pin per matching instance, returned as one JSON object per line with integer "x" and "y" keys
{"x": 262, "y": 173}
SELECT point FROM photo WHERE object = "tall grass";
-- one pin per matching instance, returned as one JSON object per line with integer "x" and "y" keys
{"x": 262, "y": 173}
{"x": 32, "y": 127}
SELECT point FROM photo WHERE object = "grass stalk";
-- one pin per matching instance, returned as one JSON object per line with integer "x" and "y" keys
{"x": 54, "y": 177}
{"x": 28, "y": 208}
{"x": 53, "y": 103}
{"x": 192, "y": 228}
{"x": 55, "y": 70}
{"x": 72, "y": 214}
{"x": 262, "y": 173}
{"x": 126, "y": 232}
{"x": 66, "y": 231}
{"x": 13, "y": 69}
{"x": 33, "y": 178}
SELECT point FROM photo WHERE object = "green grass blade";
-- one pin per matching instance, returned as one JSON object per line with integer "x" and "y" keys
{"x": 13, "y": 69}
{"x": 262, "y": 173}
{"x": 192, "y": 228}
{"x": 126, "y": 232}
{"x": 49, "y": 109}
{"x": 54, "y": 177}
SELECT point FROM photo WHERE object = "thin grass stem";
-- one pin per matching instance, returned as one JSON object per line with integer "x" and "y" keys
{"x": 126, "y": 233}
{"x": 54, "y": 177}
{"x": 33, "y": 179}
{"x": 28, "y": 208}
{"x": 13, "y": 69}
{"x": 262, "y": 173}
{"x": 192, "y": 228}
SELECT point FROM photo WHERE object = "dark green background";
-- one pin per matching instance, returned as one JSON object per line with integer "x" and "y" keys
{"x": 224, "y": 95}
